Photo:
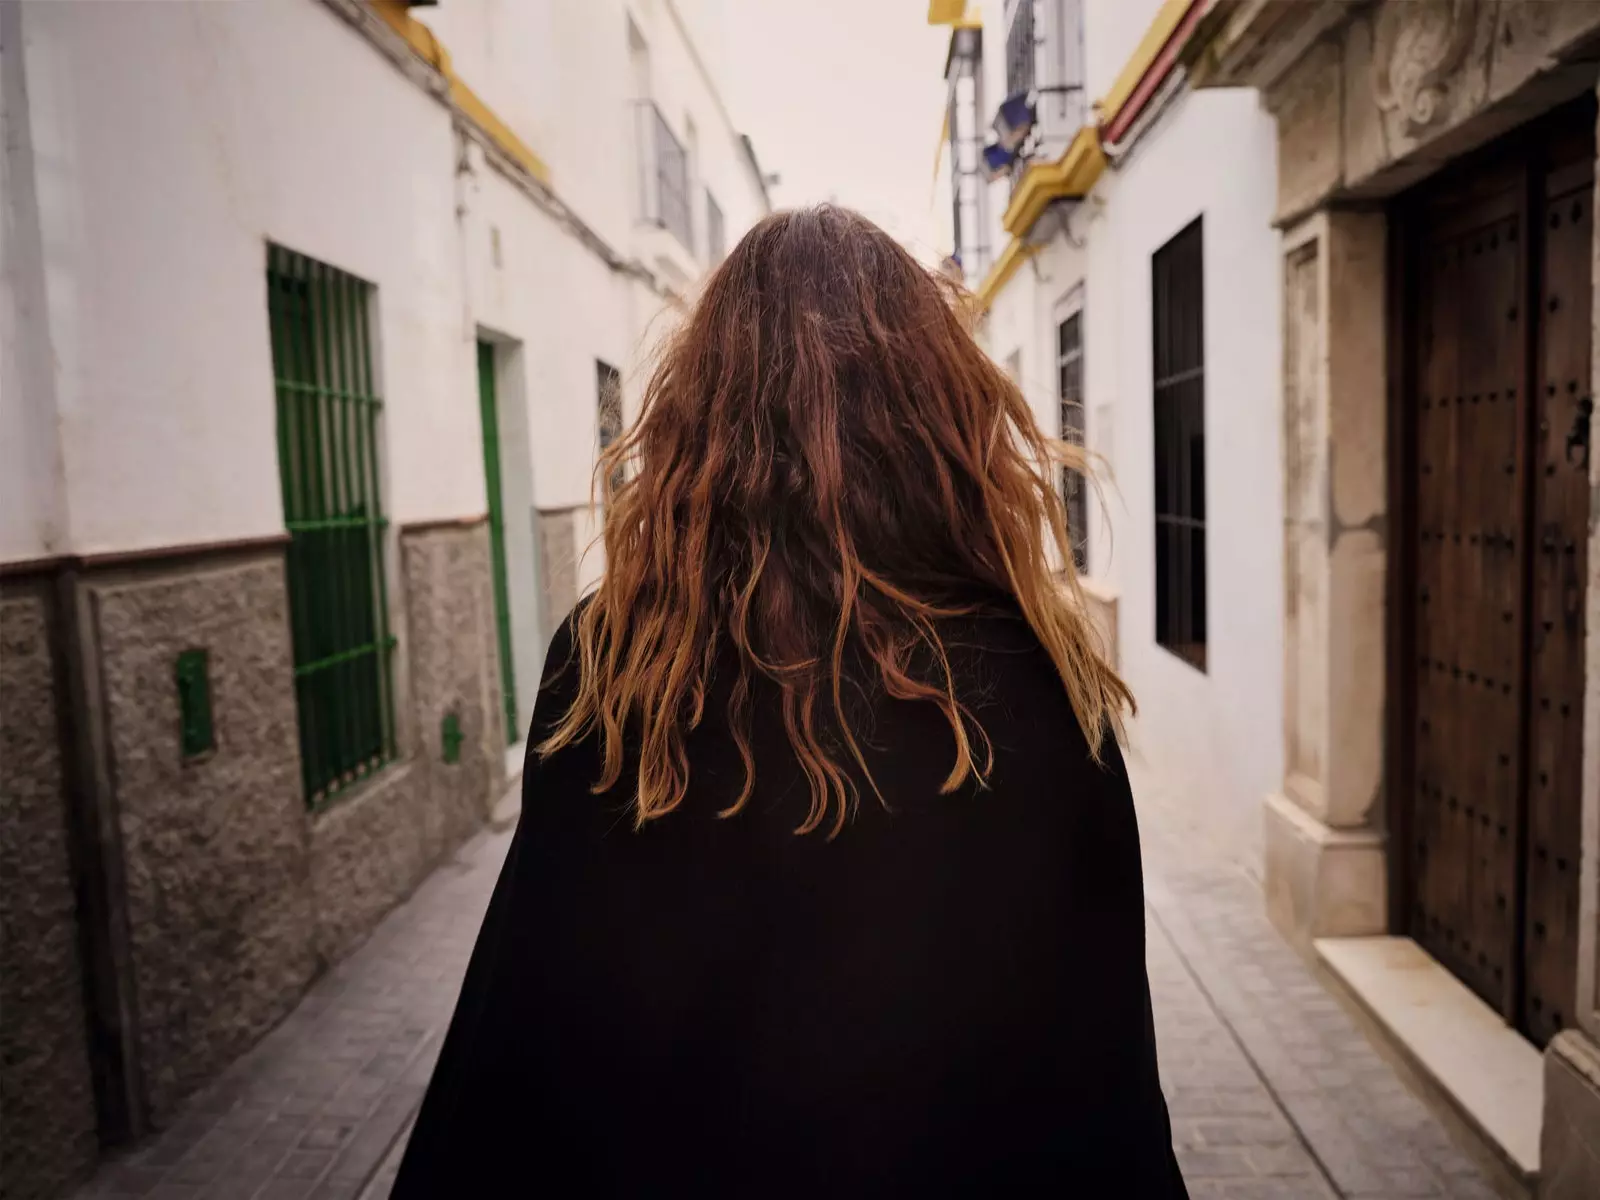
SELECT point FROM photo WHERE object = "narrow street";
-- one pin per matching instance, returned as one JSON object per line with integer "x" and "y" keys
{"x": 1274, "y": 1090}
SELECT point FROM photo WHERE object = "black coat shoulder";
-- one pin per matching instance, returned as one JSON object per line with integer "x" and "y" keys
{"x": 948, "y": 999}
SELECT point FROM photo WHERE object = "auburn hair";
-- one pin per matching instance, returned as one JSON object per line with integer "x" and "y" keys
{"x": 822, "y": 451}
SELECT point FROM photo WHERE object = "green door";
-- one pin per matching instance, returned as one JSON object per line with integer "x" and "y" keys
{"x": 497, "y": 534}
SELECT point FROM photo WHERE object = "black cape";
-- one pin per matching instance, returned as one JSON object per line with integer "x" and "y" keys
{"x": 948, "y": 999}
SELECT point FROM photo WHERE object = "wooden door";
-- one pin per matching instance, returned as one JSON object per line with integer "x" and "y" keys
{"x": 1469, "y": 555}
{"x": 1498, "y": 319}
{"x": 1564, "y": 187}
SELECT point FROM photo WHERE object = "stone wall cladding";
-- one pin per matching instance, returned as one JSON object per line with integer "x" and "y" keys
{"x": 1403, "y": 88}
{"x": 47, "y": 1114}
{"x": 367, "y": 853}
{"x": 558, "y": 567}
{"x": 218, "y": 890}
{"x": 453, "y": 663}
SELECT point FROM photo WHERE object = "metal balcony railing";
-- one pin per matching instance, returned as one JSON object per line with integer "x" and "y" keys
{"x": 663, "y": 174}
{"x": 1020, "y": 49}
{"x": 1045, "y": 59}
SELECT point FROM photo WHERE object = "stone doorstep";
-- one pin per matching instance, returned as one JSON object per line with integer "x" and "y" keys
{"x": 1491, "y": 1074}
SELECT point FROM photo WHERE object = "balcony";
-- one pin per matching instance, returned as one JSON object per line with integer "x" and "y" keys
{"x": 1044, "y": 57}
{"x": 1044, "y": 60}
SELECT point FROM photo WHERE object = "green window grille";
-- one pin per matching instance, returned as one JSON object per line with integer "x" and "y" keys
{"x": 490, "y": 411}
{"x": 328, "y": 414}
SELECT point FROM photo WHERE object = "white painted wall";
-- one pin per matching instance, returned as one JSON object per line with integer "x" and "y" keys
{"x": 33, "y": 516}
{"x": 166, "y": 145}
{"x": 1220, "y": 731}
{"x": 559, "y": 74}
{"x": 171, "y": 143}
{"x": 1023, "y": 318}
{"x": 1111, "y": 31}
{"x": 563, "y": 77}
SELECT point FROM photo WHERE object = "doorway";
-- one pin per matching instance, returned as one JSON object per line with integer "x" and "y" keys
{"x": 1492, "y": 487}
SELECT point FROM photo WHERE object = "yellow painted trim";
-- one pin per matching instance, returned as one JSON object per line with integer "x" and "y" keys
{"x": 1161, "y": 28}
{"x": 946, "y": 12}
{"x": 427, "y": 47}
{"x": 1008, "y": 264}
{"x": 1071, "y": 175}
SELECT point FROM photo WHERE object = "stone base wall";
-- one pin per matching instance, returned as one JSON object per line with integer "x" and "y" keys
{"x": 454, "y": 664}
{"x": 558, "y": 565}
{"x": 232, "y": 895}
{"x": 47, "y": 1113}
{"x": 218, "y": 892}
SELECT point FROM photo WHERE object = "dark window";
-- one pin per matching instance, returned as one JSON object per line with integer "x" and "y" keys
{"x": 716, "y": 233}
{"x": 664, "y": 175}
{"x": 1178, "y": 322}
{"x": 1069, "y": 387}
{"x": 329, "y": 462}
{"x": 608, "y": 397}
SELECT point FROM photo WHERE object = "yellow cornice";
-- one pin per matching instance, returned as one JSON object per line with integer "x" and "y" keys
{"x": 1010, "y": 261}
{"x": 427, "y": 47}
{"x": 1161, "y": 28}
{"x": 1070, "y": 176}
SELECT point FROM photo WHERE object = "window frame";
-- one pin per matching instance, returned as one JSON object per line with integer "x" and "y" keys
{"x": 330, "y": 465}
{"x": 1072, "y": 424}
{"x": 608, "y": 404}
{"x": 1177, "y": 337}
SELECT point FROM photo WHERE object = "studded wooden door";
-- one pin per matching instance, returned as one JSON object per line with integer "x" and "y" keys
{"x": 1495, "y": 458}
{"x": 1564, "y": 203}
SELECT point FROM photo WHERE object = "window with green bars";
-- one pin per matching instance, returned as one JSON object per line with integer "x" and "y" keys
{"x": 328, "y": 459}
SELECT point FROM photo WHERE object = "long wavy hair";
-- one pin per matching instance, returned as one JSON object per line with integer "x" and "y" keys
{"x": 824, "y": 458}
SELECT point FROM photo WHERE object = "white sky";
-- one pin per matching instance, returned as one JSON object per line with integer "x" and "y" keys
{"x": 843, "y": 98}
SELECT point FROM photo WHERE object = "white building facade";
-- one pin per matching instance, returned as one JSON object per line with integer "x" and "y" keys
{"x": 1127, "y": 275}
{"x": 314, "y": 316}
{"x": 1322, "y": 275}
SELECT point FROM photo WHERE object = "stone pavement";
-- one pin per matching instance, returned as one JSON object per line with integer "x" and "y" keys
{"x": 1274, "y": 1091}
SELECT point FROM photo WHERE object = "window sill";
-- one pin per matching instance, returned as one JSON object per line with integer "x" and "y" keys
{"x": 391, "y": 774}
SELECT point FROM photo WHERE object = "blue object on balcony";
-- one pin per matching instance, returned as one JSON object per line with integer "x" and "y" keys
{"x": 997, "y": 160}
{"x": 1014, "y": 121}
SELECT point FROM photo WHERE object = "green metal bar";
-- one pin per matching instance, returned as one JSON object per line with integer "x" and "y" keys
{"x": 280, "y": 314}
{"x": 337, "y": 393}
{"x": 303, "y": 670}
{"x": 364, "y": 716}
{"x": 489, "y": 407}
{"x": 301, "y": 560}
{"x": 376, "y": 509}
{"x": 349, "y": 553}
{"x": 334, "y": 523}
{"x": 323, "y": 642}
{"x": 341, "y": 626}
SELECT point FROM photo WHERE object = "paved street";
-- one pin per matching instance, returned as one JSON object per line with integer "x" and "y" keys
{"x": 1274, "y": 1091}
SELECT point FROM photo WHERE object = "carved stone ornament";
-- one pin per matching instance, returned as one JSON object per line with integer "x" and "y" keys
{"x": 1416, "y": 46}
